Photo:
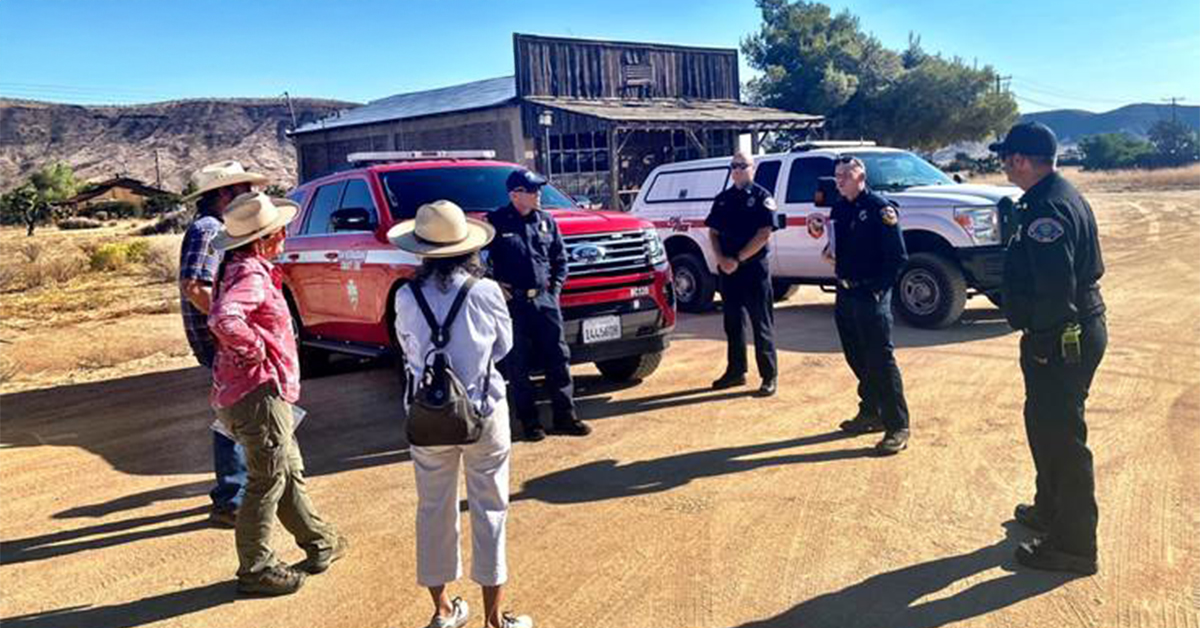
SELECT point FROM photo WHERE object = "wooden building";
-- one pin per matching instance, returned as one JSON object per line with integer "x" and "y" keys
{"x": 116, "y": 189}
{"x": 596, "y": 116}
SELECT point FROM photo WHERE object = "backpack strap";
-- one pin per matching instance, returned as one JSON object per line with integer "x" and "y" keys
{"x": 440, "y": 332}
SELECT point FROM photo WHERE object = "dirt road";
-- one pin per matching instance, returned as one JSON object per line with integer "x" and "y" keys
{"x": 685, "y": 508}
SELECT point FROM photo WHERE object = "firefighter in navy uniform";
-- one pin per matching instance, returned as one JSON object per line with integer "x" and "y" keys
{"x": 739, "y": 227}
{"x": 1050, "y": 292}
{"x": 868, "y": 254}
{"x": 528, "y": 260}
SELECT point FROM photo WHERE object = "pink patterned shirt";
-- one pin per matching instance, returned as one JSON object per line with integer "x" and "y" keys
{"x": 252, "y": 326}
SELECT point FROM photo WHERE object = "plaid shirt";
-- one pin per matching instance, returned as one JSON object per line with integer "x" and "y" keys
{"x": 198, "y": 261}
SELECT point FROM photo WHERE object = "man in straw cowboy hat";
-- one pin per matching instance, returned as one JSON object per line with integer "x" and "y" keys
{"x": 215, "y": 186}
{"x": 477, "y": 332}
{"x": 256, "y": 379}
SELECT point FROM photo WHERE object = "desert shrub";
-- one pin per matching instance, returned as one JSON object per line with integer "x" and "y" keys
{"x": 65, "y": 266}
{"x": 102, "y": 216}
{"x": 162, "y": 262}
{"x": 113, "y": 209}
{"x": 68, "y": 224}
{"x": 137, "y": 250}
{"x": 109, "y": 256}
{"x": 10, "y": 278}
{"x": 32, "y": 251}
{"x": 172, "y": 222}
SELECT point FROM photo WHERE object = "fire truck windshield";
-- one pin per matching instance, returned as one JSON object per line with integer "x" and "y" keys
{"x": 473, "y": 188}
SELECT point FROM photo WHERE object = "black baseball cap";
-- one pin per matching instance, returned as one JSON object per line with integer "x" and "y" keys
{"x": 522, "y": 178}
{"x": 1028, "y": 138}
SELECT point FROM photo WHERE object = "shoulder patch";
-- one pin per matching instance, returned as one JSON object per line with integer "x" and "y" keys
{"x": 1045, "y": 230}
{"x": 769, "y": 203}
{"x": 888, "y": 215}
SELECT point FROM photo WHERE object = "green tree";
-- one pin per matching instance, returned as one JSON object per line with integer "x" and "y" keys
{"x": 1174, "y": 142}
{"x": 23, "y": 205}
{"x": 275, "y": 190}
{"x": 815, "y": 62}
{"x": 55, "y": 182}
{"x": 1113, "y": 150}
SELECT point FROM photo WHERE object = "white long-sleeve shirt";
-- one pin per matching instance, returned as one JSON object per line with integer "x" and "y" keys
{"x": 479, "y": 337}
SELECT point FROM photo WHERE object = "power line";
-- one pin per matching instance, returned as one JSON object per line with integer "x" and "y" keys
{"x": 1059, "y": 94}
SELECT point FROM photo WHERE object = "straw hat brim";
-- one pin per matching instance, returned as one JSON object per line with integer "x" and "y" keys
{"x": 287, "y": 213}
{"x": 252, "y": 178}
{"x": 404, "y": 237}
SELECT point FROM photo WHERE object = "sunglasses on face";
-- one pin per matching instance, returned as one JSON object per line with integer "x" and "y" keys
{"x": 739, "y": 165}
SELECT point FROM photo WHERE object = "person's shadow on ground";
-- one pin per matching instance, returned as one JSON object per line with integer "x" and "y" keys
{"x": 890, "y": 599}
{"x": 608, "y": 479}
{"x": 130, "y": 614}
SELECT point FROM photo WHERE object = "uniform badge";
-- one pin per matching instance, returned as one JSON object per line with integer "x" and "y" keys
{"x": 544, "y": 226}
{"x": 1045, "y": 230}
{"x": 749, "y": 201}
{"x": 888, "y": 216}
{"x": 862, "y": 215}
{"x": 769, "y": 203}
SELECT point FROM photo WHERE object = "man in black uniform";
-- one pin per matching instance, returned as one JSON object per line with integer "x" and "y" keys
{"x": 1051, "y": 294}
{"x": 529, "y": 261}
{"x": 868, "y": 254}
{"x": 739, "y": 227}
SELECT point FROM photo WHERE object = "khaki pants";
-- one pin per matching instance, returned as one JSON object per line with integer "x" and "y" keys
{"x": 262, "y": 422}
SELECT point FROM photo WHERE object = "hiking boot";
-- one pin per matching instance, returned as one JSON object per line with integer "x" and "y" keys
{"x": 1028, "y": 516}
{"x": 768, "y": 388}
{"x": 535, "y": 434}
{"x": 862, "y": 424}
{"x": 1041, "y": 554}
{"x": 459, "y": 612}
{"x": 274, "y": 580}
{"x": 892, "y": 443}
{"x": 729, "y": 380}
{"x": 320, "y": 560}
{"x": 508, "y": 620}
{"x": 572, "y": 427}
{"x": 223, "y": 517}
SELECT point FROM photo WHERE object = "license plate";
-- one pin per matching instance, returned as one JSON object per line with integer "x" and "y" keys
{"x": 601, "y": 328}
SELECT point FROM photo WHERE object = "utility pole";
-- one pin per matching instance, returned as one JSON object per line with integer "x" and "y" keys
{"x": 292, "y": 111}
{"x": 157, "y": 172}
{"x": 1173, "y": 100}
{"x": 1006, "y": 79}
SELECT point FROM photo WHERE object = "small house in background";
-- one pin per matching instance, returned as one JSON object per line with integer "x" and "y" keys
{"x": 596, "y": 116}
{"x": 114, "y": 190}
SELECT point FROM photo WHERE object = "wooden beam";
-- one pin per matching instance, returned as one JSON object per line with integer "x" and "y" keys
{"x": 699, "y": 146}
{"x": 614, "y": 169}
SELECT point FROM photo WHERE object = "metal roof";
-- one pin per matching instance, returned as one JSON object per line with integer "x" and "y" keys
{"x": 645, "y": 114}
{"x": 475, "y": 95}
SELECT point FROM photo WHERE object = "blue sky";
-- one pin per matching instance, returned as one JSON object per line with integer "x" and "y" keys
{"x": 1094, "y": 55}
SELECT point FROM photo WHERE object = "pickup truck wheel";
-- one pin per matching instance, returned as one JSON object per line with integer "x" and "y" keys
{"x": 783, "y": 290}
{"x": 630, "y": 369}
{"x": 931, "y": 291}
{"x": 694, "y": 285}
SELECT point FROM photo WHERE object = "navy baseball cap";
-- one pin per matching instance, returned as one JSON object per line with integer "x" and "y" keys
{"x": 522, "y": 178}
{"x": 1028, "y": 138}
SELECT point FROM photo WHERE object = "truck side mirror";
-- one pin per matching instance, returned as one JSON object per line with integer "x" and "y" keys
{"x": 352, "y": 219}
{"x": 826, "y": 193}
{"x": 958, "y": 178}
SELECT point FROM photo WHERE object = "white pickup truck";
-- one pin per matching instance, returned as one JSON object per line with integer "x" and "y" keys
{"x": 952, "y": 230}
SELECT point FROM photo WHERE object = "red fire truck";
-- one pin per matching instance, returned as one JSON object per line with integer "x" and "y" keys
{"x": 341, "y": 274}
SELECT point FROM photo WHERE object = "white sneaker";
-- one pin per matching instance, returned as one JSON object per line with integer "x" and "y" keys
{"x": 515, "y": 621}
{"x": 458, "y": 615}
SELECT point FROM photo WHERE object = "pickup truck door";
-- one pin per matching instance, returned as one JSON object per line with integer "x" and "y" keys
{"x": 798, "y": 251}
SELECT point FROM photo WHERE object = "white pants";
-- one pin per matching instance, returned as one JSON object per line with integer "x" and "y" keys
{"x": 486, "y": 466}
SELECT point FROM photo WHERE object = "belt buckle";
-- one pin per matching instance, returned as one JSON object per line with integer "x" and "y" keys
{"x": 531, "y": 293}
{"x": 845, "y": 283}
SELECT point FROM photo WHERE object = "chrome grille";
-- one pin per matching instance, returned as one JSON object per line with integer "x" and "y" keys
{"x": 607, "y": 253}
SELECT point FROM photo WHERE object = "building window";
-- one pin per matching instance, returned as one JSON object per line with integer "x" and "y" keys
{"x": 579, "y": 153}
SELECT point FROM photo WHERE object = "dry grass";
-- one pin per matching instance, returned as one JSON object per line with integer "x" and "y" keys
{"x": 162, "y": 262}
{"x": 1186, "y": 178}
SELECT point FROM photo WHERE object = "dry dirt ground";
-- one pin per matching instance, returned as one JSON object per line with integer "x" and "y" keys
{"x": 686, "y": 508}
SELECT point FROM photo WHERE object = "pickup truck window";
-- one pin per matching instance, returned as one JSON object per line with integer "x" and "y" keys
{"x": 895, "y": 171}
{"x": 323, "y": 205}
{"x": 700, "y": 184}
{"x": 802, "y": 178}
{"x": 358, "y": 195}
{"x": 475, "y": 189}
{"x": 766, "y": 174}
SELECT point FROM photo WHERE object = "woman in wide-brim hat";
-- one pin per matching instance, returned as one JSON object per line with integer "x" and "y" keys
{"x": 480, "y": 335}
{"x": 256, "y": 379}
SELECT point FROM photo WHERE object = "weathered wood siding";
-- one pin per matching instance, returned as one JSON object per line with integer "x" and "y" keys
{"x": 574, "y": 68}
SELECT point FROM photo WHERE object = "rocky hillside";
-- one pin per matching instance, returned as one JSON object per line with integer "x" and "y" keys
{"x": 102, "y": 141}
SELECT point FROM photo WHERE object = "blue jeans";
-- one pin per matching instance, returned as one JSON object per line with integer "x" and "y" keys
{"x": 229, "y": 463}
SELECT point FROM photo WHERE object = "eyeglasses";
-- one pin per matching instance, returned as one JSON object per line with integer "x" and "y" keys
{"x": 738, "y": 165}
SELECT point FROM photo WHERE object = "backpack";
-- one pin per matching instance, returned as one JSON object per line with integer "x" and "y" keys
{"x": 439, "y": 410}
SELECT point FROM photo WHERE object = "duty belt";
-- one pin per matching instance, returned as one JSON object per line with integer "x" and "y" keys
{"x": 850, "y": 284}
